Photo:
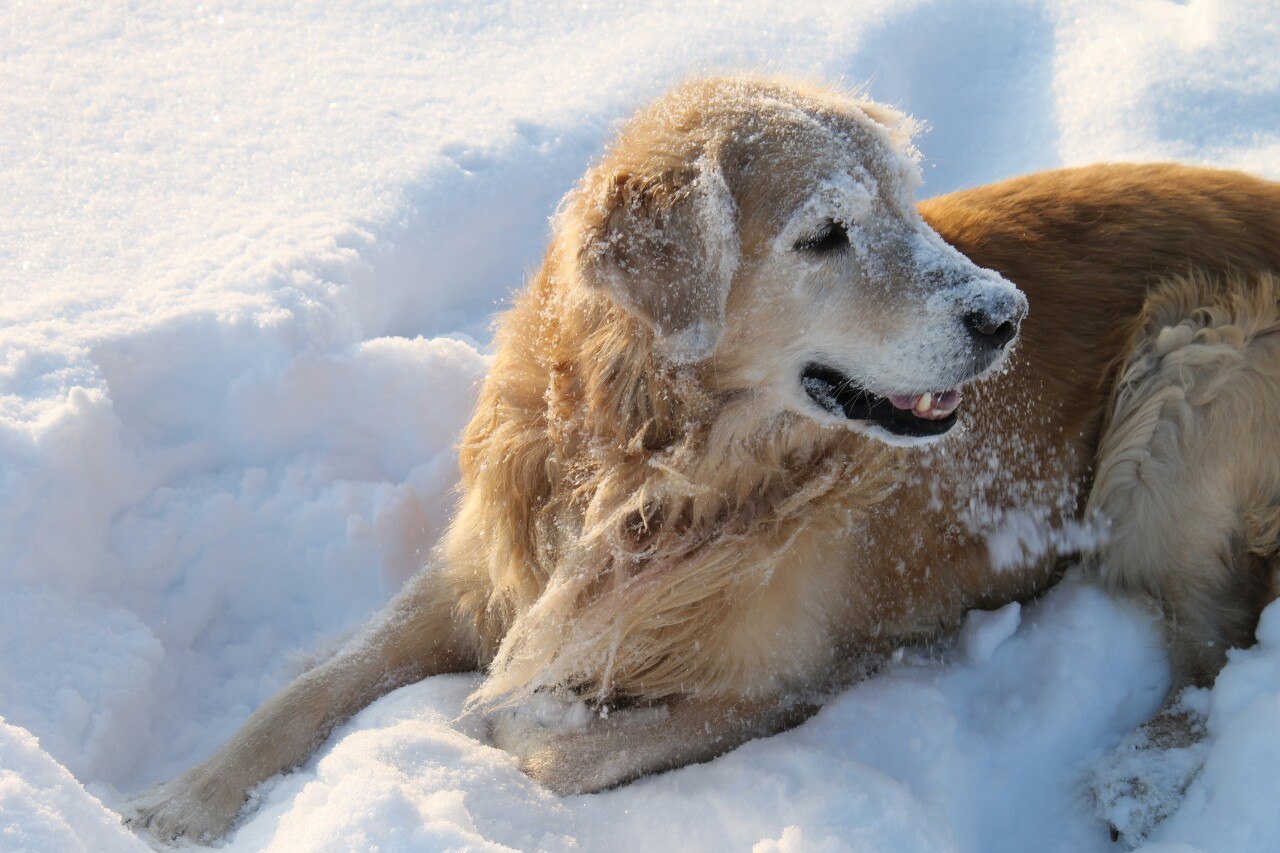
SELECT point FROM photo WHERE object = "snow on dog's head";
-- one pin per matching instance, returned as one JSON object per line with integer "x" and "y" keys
{"x": 773, "y": 229}
{"x": 734, "y": 295}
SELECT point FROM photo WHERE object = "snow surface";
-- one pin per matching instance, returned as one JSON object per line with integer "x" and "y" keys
{"x": 247, "y": 255}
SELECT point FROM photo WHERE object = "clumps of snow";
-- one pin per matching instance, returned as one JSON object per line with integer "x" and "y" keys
{"x": 984, "y": 631}
{"x": 1018, "y": 537}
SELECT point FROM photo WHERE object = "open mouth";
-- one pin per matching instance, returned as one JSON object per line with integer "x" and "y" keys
{"x": 916, "y": 415}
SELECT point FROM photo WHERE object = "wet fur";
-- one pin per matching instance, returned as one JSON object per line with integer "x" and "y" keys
{"x": 638, "y": 530}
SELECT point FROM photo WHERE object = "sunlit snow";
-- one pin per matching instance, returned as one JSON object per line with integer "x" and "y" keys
{"x": 248, "y": 255}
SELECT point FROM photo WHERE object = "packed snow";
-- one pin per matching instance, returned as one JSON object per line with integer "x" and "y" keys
{"x": 248, "y": 257}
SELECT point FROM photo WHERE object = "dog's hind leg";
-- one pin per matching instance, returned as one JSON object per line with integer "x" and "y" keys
{"x": 1188, "y": 480}
{"x": 415, "y": 636}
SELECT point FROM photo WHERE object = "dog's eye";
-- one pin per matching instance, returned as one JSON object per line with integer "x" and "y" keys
{"x": 833, "y": 236}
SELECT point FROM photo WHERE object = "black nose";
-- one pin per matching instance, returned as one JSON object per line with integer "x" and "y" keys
{"x": 995, "y": 332}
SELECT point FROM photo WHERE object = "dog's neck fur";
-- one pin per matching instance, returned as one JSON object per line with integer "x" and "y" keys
{"x": 638, "y": 470}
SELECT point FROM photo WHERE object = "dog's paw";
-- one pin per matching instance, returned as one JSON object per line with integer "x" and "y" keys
{"x": 572, "y": 749}
{"x": 558, "y": 764}
{"x": 1144, "y": 779}
{"x": 189, "y": 808}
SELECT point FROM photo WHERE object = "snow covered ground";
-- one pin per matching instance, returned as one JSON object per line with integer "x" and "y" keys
{"x": 247, "y": 257}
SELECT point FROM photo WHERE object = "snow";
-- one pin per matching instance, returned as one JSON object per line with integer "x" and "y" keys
{"x": 931, "y": 756}
{"x": 248, "y": 254}
{"x": 1231, "y": 804}
{"x": 984, "y": 631}
{"x": 43, "y": 807}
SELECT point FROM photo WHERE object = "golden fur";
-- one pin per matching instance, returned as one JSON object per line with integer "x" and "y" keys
{"x": 654, "y": 515}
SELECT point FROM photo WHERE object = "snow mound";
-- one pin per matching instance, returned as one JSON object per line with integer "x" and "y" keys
{"x": 43, "y": 807}
{"x": 934, "y": 755}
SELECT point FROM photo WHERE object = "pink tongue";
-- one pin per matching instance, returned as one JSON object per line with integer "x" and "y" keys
{"x": 941, "y": 400}
{"x": 946, "y": 399}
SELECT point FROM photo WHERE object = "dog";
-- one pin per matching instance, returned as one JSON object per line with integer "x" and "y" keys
{"x": 759, "y": 419}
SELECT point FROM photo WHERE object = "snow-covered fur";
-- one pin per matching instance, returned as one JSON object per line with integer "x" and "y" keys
{"x": 721, "y": 462}
{"x": 664, "y": 482}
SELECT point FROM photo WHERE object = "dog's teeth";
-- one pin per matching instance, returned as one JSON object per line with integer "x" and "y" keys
{"x": 926, "y": 400}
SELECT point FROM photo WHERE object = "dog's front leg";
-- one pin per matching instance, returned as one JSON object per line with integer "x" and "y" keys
{"x": 414, "y": 637}
{"x": 608, "y": 750}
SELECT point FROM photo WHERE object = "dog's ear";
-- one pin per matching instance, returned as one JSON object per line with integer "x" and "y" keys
{"x": 664, "y": 244}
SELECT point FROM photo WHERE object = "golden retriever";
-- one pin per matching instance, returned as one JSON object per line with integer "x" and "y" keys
{"x": 731, "y": 451}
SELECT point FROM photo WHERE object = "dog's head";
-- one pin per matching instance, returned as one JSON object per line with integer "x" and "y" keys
{"x": 771, "y": 232}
